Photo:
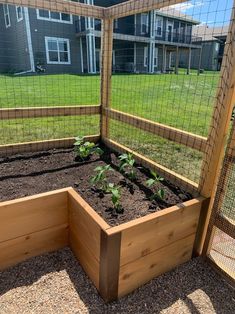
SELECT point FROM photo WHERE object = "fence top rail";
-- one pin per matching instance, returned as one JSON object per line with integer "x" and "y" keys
{"x": 76, "y": 8}
{"x": 63, "y": 6}
{"x": 137, "y": 6}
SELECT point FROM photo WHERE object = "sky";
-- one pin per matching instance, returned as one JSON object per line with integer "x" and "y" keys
{"x": 210, "y": 12}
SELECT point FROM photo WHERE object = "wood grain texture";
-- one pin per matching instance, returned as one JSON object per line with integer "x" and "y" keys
{"x": 19, "y": 249}
{"x": 182, "y": 137}
{"x": 220, "y": 124}
{"x": 142, "y": 270}
{"x": 63, "y": 6}
{"x": 159, "y": 230}
{"x": 39, "y": 112}
{"x": 84, "y": 235}
{"x": 31, "y": 214}
{"x": 28, "y": 147}
{"x": 168, "y": 174}
{"x": 106, "y": 73}
{"x": 109, "y": 265}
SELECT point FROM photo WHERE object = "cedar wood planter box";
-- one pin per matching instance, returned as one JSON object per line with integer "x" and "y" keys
{"x": 117, "y": 259}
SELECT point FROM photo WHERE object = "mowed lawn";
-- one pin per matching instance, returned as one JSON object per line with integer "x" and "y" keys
{"x": 182, "y": 101}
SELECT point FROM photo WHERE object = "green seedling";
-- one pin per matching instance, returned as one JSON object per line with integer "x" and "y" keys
{"x": 127, "y": 165}
{"x": 116, "y": 197}
{"x": 84, "y": 149}
{"x": 160, "y": 193}
{"x": 100, "y": 179}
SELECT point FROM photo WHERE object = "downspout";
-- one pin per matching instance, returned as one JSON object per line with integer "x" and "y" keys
{"x": 29, "y": 39}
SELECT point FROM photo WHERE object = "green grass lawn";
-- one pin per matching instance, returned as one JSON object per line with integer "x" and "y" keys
{"x": 182, "y": 101}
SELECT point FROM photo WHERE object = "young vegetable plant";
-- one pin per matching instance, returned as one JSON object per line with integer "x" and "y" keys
{"x": 127, "y": 165}
{"x": 84, "y": 149}
{"x": 160, "y": 193}
{"x": 116, "y": 197}
{"x": 100, "y": 179}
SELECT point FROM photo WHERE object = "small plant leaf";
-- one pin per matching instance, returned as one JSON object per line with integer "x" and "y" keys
{"x": 150, "y": 182}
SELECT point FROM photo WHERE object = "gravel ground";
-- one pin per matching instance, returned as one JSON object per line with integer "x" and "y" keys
{"x": 55, "y": 283}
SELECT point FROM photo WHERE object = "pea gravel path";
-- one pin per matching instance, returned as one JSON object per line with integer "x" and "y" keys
{"x": 55, "y": 283}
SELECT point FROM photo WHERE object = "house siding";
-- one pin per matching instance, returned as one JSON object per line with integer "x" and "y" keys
{"x": 41, "y": 29}
{"x": 15, "y": 44}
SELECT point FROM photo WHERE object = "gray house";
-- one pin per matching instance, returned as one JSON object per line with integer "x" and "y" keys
{"x": 210, "y": 56}
{"x": 32, "y": 39}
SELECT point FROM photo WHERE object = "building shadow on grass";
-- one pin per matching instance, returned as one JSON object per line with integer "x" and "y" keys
{"x": 191, "y": 288}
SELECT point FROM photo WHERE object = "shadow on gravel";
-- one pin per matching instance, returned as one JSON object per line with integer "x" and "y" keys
{"x": 191, "y": 288}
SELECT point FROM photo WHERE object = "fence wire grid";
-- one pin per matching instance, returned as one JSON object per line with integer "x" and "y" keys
{"x": 222, "y": 224}
{"x": 166, "y": 67}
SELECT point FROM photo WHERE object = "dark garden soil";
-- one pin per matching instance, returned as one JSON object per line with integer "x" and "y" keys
{"x": 33, "y": 173}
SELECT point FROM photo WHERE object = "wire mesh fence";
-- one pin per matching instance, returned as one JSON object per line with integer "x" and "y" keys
{"x": 221, "y": 232}
{"x": 165, "y": 68}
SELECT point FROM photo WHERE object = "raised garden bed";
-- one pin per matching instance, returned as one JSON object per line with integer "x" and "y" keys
{"x": 119, "y": 252}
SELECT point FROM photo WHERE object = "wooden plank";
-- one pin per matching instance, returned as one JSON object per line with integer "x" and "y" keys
{"x": 109, "y": 265}
{"x": 106, "y": 73}
{"x": 145, "y": 235}
{"x": 63, "y": 6}
{"x": 85, "y": 257}
{"x": 28, "y": 147}
{"x": 219, "y": 126}
{"x": 225, "y": 224}
{"x": 182, "y": 137}
{"x": 226, "y": 172}
{"x": 168, "y": 174}
{"x": 84, "y": 235}
{"x": 31, "y": 214}
{"x": 39, "y": 112}
{"x": 137, "y": 6}
{"x": 33, "y": 244}
{"x": 142, "y": 270}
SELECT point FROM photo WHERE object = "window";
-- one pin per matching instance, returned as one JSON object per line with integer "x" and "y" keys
{"x": 144, "y": 23}
{"x": 57, "y": 50}
{"x": 114, "y": 58}
{"x": 116, "y": 24}
{"x": 217, "y": 47}
{"x": 145, "y": 56}
{"x": 6, "y": 15}
{"x": 188, "y": 33}
{"x": 156, "y": 57}
{"x": 158, "y": 26}
{"x": 19, "y": 13}
{"x": 54, "y": 16}
{"x": 182, "y": 32}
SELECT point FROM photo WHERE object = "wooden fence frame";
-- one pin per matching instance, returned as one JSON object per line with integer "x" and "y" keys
{"x": 213, "y": 146}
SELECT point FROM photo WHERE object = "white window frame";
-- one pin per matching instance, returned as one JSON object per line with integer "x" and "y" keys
{"x": 19, "y": 18}
{"x": 57, "y": 39}
{"x": 6, "y": 13}
{"x": 145, "y": 56}
{"x": 144, "y": 24}
{"x": 156, "y": 57}
{"x": 54, "y": 20}
{"x": 158, "y": 18}
{"x": 114, "y": 58}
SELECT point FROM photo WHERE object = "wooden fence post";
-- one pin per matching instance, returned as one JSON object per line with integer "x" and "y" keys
{"x": 106, "y": 74}
{"x": 219, "y": 129}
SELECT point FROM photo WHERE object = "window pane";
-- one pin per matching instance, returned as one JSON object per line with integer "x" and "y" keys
{"x": 53, "y": 56}
{"x": 64, "y": 57}
{"x": 65, "y": 17}
{"x": 63, "y": 46}
{"x": 44, "y": 13}
{"x": 7, "y": 20}
{"x": 52, "y": 45}
{"x": 55, "y": 15}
